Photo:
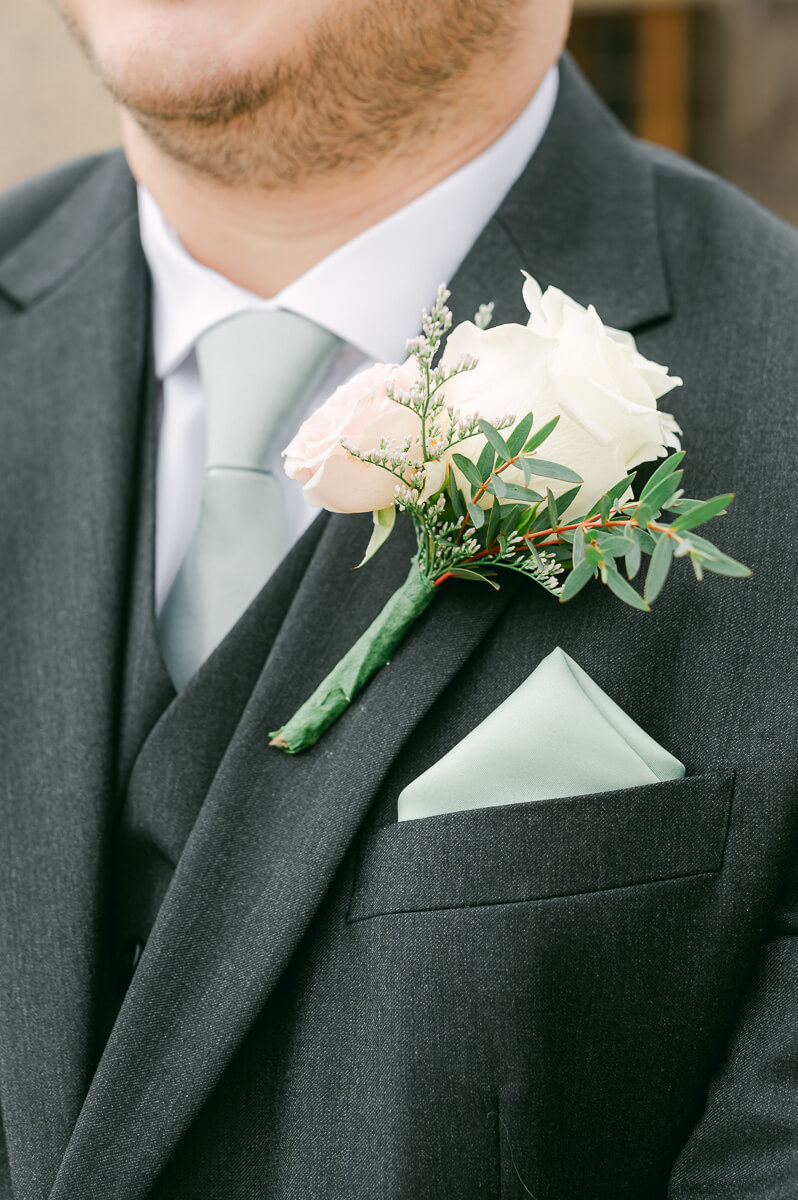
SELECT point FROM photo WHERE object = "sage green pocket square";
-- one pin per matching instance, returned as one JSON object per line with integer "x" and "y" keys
{"x": 557, "y": 735}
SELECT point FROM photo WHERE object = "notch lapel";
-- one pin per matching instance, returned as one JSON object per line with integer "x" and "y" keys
{"x": 71, "y": 365}
{"x": 274, "y": 829}
{"x": 271, "y": 835}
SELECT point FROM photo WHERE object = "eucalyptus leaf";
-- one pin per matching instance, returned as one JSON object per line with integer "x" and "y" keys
{"x": 514, "y": 491}
{"x": 476, "y": 514}
{"x": 539, "y": 438}
{"x": 704, "y": 512}
{"x": 667, "y": 467}
{"x": 623, "y": 589}
{"x": 469, "y": 469}
{"x": 510, "y": 517}
{"x": 664, "y": 493}
{"x": 515, "y": 442}
{"x": 683, "y": 505}
{"x": 645, "y": 541}
{"x": 456, "y": 497}
{"x": 535, "y": 556}
{"x": 529, "y": 518}
{"x": 614, "y": 493}
{"x": 551, "y": 470}
{"x": 658, "y": 568}
{"x": 494, "y": 524}
{"x": 565, "y": 501}
{"x": 384, "y": 520}
{"x": 613, "y": 544}
{"x": 496, "y": 440}
{"x": 715, "y": 560}
{"x": 552, "y": 507}
{"x": 634, "y": 558}
{"x": 579, "y": 546}
{"x": 497, "y": 486}
{"x": 485, "y": 462}
{"x": 576, "y": 581}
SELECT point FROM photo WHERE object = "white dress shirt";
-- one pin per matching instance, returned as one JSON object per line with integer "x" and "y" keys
{"x": 369, "y": 292}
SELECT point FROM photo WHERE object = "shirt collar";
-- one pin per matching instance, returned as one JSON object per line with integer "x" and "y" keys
{"x": 369, "y": 291}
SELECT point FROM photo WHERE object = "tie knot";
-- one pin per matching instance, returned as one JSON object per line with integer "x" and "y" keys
{"x": 258, "y": 370}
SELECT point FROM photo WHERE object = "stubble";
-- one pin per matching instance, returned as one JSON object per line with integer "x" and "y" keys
{"x": 366, "y": 84}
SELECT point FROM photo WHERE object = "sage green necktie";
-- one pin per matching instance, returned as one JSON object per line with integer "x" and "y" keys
{"x": 258, "y": 371}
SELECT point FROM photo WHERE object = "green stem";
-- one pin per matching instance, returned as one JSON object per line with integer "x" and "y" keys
{"x": 374, "y": 649}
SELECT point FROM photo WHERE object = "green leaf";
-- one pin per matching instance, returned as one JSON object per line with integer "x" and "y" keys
{"x": 528, "y": 518}
{"x": 456, "y": 497}
{"x": 623, "y": 589}
{"x": 510, "y": 515}
{"x": 469, "y": 469}
{"x": 514, "y": 491}
{"x": 494, "y": 524}
{"x": 666, "y": 467}
{"x": 485, "y": 462}
{"x": 496, "y": 440}
{"x": 539, "y": 438}
{"x": 515, "y": 442}
{"x": 476, "y": 514}
{"x": 604, "y": 509}
{"x": 613, "y": 544}
{"x": 540, "y": 466}
{"x": 567, "y": 498}
{"x": 704, "y": 512}
{"x": 475, "y": 576}
{"x": 658, "y": 568}
{"x": 576, "y": 581}
{"x": 497, "y": 486}
{"x": 716, "y": 561}
{"x": 552, "y": 507}
{"x": 634, "y": 558}
{"x": 579, "y": 546}
{"x": 683, "y": 505}
{"x": 665, "y": 491}
{"x": 614, "y": 493}
{"x": 384, "y": 520}
{"x": 646, "y": 541}
{"x": 534, "y": 555}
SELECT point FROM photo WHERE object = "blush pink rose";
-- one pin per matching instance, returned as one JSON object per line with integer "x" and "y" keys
{"x": 361, "y": 413}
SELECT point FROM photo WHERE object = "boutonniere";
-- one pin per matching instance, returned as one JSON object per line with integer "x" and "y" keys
{"x": 512, "y": 449}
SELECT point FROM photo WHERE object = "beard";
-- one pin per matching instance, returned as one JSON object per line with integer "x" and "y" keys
{"x": 369, "y": 81}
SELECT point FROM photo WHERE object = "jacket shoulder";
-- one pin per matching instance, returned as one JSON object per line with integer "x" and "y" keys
{"x": 714, "y": 232}
{"x": 50, "y": 223}
{"x": 30, "y": 203}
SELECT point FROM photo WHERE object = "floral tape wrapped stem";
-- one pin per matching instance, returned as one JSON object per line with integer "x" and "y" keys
{"x": 370, "y": 652}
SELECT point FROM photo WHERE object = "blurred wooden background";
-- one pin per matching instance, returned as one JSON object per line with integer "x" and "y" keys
{"x": 715, "y": 79}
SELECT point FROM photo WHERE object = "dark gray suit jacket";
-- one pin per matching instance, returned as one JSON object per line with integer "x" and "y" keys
{"x": 590, "y": 997}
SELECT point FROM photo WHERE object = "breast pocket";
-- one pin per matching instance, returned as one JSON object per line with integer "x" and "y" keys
{"x": 545, "y": 848}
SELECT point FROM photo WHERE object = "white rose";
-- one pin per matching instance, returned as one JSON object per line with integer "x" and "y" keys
{"x": 565, "y": 363}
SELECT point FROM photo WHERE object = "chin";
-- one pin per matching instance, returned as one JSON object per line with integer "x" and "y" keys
{"x": 168, "y": 57}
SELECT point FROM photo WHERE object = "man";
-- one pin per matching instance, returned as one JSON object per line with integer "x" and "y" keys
{"x": 228, "y": 972}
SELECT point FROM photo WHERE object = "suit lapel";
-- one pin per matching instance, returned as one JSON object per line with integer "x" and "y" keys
{"x": 270, "y": 836}
{"x": 71, "y": 363}
{"x": 274, "y": 829}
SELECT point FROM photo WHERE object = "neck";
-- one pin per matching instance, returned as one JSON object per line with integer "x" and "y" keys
{"x": 263, "y": 239}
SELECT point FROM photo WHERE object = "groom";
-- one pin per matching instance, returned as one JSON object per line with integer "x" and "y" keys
{"x": 230, "y": 973}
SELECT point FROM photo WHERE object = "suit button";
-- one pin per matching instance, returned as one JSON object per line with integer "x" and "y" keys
{"x": 129, "y": 960}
